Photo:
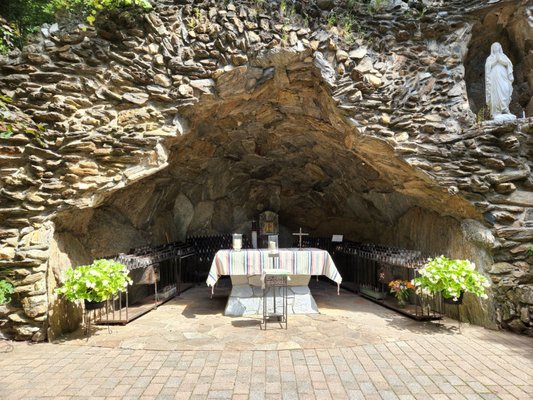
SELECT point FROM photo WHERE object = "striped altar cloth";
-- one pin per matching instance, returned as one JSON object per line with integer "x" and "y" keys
{"x": 254, "y": 261}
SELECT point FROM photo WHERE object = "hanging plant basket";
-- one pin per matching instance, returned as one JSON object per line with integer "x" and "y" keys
{"x": 95, "y": 282}
{"x": 450, "y": 300}
{"x": 444, "y": 276}
{"x": 94, "y": 305}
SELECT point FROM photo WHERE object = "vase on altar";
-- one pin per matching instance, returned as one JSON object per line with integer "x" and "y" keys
{"x": 237, "y": 241}
{"x": 273, "y": 242}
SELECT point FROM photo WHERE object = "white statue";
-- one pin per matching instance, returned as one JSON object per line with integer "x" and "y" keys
{"x": 499, "y": 84}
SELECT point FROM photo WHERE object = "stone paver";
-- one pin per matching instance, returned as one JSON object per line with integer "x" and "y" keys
{"x": 353, "y": 350}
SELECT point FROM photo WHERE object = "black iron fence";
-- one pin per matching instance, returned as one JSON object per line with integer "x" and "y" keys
{"x": 206, "y": 247}
{"x": 368, "y": 268}
{"x": 158, "y": 273}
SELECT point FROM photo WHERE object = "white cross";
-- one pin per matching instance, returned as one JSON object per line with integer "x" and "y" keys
{"x": 300, "y": 237}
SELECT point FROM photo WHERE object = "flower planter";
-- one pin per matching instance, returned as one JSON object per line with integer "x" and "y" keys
{"x": 452, "y": 301}
{"x": 94, "y": 305}
{"x": 401, "y": 289}
{"x": 372, "y": 293}
{"x": 401, "y": 303}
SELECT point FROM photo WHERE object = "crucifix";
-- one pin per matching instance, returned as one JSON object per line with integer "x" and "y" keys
{"x": 300, "y": 234}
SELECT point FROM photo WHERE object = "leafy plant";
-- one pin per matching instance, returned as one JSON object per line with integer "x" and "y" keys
{"x": 197, "y": 19}
{"x": 348, "y": 23}
{"x": 12, "y": 121}
{"x": 96, "y": 282}
{"x": 529, "y": 252}
{"x": 8, "y": 36}
{"x": 282, "y": 7}
{"x": 292, "y": 12}
{"x": 376, "y": 5}
{"x": 6, "y": 289}
{"x": 6, "y": 131}
{"x": 450, "y": 277}
{"x": 480, "y": 116}
{"x": 422, "y": 13}
{"x": 332, "y": 20}
{"x": 4, "y": 100}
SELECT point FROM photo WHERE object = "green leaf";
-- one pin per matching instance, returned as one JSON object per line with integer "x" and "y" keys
{"x": 6, "y": 289}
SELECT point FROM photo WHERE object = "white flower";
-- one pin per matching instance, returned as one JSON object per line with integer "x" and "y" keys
{"x": 89, "y": 284}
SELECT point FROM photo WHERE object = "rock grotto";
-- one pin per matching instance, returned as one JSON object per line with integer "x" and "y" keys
{"x": 197, "y": 116}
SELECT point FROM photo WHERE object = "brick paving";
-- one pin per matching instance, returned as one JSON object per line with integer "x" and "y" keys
{"x": 404, "y": 360}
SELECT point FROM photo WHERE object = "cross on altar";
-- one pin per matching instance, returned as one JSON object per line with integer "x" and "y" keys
{"x": 300, "y": 234}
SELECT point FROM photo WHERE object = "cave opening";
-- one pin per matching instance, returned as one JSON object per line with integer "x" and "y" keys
{"x": 284, "y": 147}
{"x": 271, "y": 139}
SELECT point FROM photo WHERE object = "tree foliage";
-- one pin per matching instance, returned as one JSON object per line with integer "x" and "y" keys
{"x": 8, "y": 36}
{"x": 91, "y": 9}
{"x": 24, "y": 16}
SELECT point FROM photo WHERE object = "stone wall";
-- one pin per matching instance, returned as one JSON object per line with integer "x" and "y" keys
{"x": 165, "y": 124}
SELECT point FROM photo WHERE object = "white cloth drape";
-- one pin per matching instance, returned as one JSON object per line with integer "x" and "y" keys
{"x": 254, "y": 261}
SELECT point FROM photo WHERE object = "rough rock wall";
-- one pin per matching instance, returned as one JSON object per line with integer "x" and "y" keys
{"x": 114, "y": 101}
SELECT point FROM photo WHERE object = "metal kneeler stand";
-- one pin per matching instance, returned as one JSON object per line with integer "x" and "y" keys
{"x": 276, "y": 282}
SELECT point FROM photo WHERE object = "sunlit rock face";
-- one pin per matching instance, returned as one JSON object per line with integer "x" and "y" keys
{"x": 195, "y": 118}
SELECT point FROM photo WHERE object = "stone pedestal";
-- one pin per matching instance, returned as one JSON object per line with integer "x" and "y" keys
{"x": 246, "y": 296}
{"x": 500, "y": 118}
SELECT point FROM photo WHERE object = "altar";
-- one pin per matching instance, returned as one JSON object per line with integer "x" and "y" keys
{"x": 246, "y": 269}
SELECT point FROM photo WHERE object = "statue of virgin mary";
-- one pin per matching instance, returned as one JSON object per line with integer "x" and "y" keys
{"x": 499, "y": 84}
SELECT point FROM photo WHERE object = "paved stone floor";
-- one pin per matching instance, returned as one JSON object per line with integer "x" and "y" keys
{"x": 353, "y": 349}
